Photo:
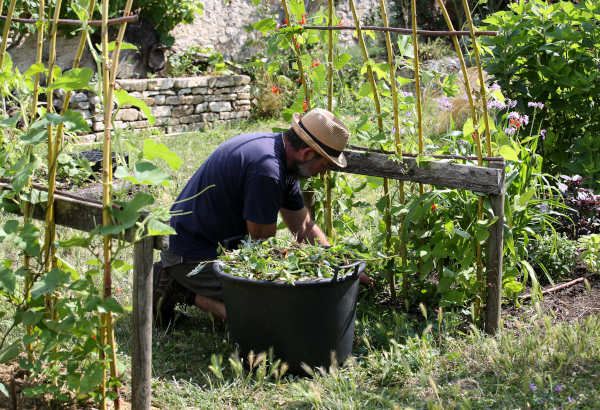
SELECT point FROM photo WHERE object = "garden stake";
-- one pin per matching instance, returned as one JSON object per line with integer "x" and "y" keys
{"x": 328, "y": 206}
{"x": 388, "y": 42}
{"x": 479, "y": 298}
{"x": 386, "y": 185}
{"x": 486, "y": 121}
{"x": 11, "y": 10}
{"x": 38, "y": 59}
{"x": 108, "y": 163}
{"x": 297, "y": 49}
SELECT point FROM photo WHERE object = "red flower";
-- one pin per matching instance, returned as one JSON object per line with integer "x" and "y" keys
{"x": 340, "y": 23}
{"x": 284, "y": 21}
{"x": 433, "y": 207}
{"x": 297, "y": 45}
{"x": 300, "y": 80}
{"x": 118, "y": 291}
{"x": 94, "y": 337}
{"x": 304, "y": 106}
{"x": 303, "y": 19}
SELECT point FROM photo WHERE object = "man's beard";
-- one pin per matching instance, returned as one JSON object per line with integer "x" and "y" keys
{"x": 302, "y": 171}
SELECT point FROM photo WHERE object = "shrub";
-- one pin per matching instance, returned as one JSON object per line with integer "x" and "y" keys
{"x": 550, "y": 53}
{"x": 583, "y": 214}
{"x": 271, "y": 96}
{"x": 556, "y": 256}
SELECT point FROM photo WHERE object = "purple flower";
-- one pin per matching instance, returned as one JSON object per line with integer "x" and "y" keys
{"x": 514, "y": 115}
{"x": 444, "y": 104}
{"x": 406, "y": 94}
{"x": 465, "y": 97}
{"x": 532, "y": 387}
{"x": 495, "y": 87}
{"x": 496, "y": 104}
{"x": 408, "y": 113}
{"x": 558, "y": 387}
{"x": 525, "y": 119}
{"x": 543, "y": 134}
{"x": 536, "y": 105}
{"x": 511, "y": 103}
{"x": 510, "y": 130}
{"x": 393, "y": 130}
{"x": 570, "y": 399}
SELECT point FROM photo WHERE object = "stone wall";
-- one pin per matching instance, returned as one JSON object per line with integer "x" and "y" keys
{"x": 179, "y": 104}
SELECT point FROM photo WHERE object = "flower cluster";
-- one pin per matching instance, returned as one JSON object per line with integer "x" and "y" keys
{"x": 536, "y": 105}
{"x": 516, "y": 120}
{"x": 303, "y": 21}
{"x": 444, "y": 104}
{"x": 315, "y": 63}
{"x": 276, "y": 90}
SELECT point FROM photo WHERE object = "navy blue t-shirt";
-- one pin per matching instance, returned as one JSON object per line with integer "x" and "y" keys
{"x": 250, "y": 179}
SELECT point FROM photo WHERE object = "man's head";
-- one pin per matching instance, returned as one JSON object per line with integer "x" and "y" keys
{"x": 325, "y": 133}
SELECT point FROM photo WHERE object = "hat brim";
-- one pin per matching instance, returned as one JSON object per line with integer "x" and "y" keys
{"x": 339, "y": 161}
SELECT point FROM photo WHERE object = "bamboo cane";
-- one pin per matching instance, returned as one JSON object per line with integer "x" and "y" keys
{"x": 388, "y": 42}
{"x": 328, "y": 205}
{"x": 386, "y": 187}
{"x": 480, "y": 279}
{"x": 38, "y": 59}
{"x": 107, "y": 159}
{"x": 106, "y": 181}
{"x": 9, "y": 14}
{"x": 417, "y": 81}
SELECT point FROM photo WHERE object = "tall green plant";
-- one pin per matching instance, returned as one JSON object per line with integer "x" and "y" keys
{"x": 550, "y": 53}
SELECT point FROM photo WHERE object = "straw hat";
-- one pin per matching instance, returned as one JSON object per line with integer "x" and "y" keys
{"x": 323, "y": 132}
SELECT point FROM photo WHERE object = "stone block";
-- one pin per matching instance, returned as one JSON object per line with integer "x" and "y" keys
{"x": 174, "y": 100}
{"x": 149, "y": 101}
{"x": 201, "y": 108}
{"x": 78, "y": 97}
{"x": 243, "y": 108}
{"x": 136, "y": 94}
{"x": 150, "y": 93}
{"x": 161, "y": 111}
{"x": 85, "y": 113}
{"x": 140, "y": 124}
{"x": 175, "y": 129}
{"x": 241, "y": 89}
{"x": 169, "y": 92}
{"x": 182, "y": 110}
{"x": 192, "y": 99}
{"x": 57, "y": 103}
{"x": 221, "y": 82}
{"x": 82, "y": 105}
{"x": 212, "y": 98}
{"x": 219, "y": 106}
{"x": 225, "y": 90}
{"x": 184, "y": 91}
{"x": 241, "y": 102}
{"x": 191, "y": 82}
{"x": 160, "y": 100}
{"x": 199, "y": 90}
{"x": 87, "y": 139}
{"x": 156, "y": 84}
{"x": 190, "y": 119}
{"x": 94, "y": 99}
{"x": 229, "y": 97}
{"x": 241, "y": 79}
{"x": 164, "y": 121}
{"x": 121, "y": 124}
{"x": 60, "y": 93}
{"x": 132, "y": 85}
{"x": 244, "y": 96}
{"x": 99, "y": 117}
{"x": 98, "y": 126}
{"x": 209, "y": 116}
{"x": 225, "y": 115}
{"x": 127, "y": 114}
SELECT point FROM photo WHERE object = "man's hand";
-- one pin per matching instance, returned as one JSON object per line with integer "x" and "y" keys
{"x": 366, "y": 280}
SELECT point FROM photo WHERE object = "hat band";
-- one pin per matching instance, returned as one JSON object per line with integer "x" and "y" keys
{"x": 330, "y": 151}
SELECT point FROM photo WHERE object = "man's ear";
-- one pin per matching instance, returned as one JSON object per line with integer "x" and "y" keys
{"x": 307, "y": 154}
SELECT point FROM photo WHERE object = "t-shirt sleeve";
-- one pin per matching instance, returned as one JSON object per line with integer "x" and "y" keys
{"x": 263, "y": 197}
{"x": 292, "y": 199}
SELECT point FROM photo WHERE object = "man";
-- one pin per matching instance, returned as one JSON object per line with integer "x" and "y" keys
{"x": 239, "y": 190}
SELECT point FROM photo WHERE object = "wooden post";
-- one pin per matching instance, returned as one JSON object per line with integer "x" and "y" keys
{"x": 141, "y": 343}
{"x": 493, "y": 306}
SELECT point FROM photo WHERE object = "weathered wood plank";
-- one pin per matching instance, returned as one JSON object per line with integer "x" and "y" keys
{"x": 493, "y": 305}
{"x": 141, "y": 317}
{"x": 450, "y": 175}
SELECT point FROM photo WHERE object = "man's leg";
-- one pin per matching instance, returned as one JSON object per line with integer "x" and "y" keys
{"x": 212, "y": 306}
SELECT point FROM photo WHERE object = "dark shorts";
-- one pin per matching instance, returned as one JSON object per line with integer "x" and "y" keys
{"x": 194, "y": 274}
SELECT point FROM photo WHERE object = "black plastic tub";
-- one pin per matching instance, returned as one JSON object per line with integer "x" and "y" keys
{"x": 303, "y": 322}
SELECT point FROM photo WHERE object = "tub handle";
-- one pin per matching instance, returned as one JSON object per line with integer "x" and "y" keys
{"x": 357, "y": 267}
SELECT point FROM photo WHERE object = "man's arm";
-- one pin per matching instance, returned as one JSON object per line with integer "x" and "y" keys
{"x": 261, "y": 231}
{"x": 303, "y": 227}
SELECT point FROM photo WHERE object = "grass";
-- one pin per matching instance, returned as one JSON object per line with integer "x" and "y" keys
{"x": 399, "y": 360}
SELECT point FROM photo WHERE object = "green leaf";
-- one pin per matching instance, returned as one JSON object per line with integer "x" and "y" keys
{"x": 9, "y": 122}
{"x": 75, "y": 79}
{"x": 297, "y": 9}
{"x": 454, "y": 295}
{"x": 365, "y": 91}
{"x": 481, "y": 234}
{"x": 32, "y": 317}
{"x": 444, "y": 284}
{"x": 92, "y": 377}
{"x": 28, "y": 239}
{"x": 47, "y": 283}
{"x": 509, "y": 153}
{"x": 10, "y": 352}
{"x": 73, "y": 121}
{"x": 461, "y": 233}
{"x": 156, "y": 228}
{"x": 146, "y": 173}
{"x": 35, "y": 137}
{"x": 124, "y": 46}
{"x": 21, "y": 178}
{"x": 318, "y": 77}
{"x": 342, "y": 61}
{"x": 266, "y": 25}
{"x": 111, "y": 305}
{"x": 4, "y": 390}
{"x": 7, "y": 280}
{"x": 468, "y": 128}
{"x": 124, "y": 98}
{"x": 154, "y": 150}
{"x": 37, "y": 68}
